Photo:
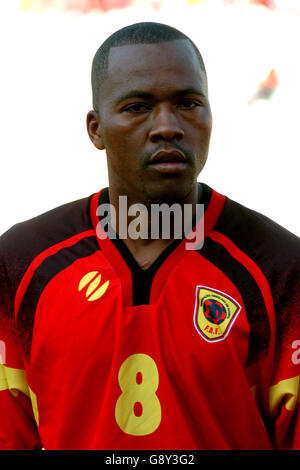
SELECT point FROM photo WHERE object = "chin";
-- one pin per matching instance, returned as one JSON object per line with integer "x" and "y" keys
{"x": 169, "y": 191}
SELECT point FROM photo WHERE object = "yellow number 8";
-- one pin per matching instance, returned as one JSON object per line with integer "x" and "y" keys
{"x": 138, "y": 411}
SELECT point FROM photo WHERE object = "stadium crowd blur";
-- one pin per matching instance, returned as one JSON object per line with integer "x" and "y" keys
{"x": 249, "y": 47}
{"x": 105, "y": 5}
{"x": 268, "y": 83}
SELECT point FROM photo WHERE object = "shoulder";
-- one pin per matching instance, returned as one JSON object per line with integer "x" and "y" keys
{"x": 26, "y": 240}
{"x": 258, "y": 236}
{"x": 276, "y": 253}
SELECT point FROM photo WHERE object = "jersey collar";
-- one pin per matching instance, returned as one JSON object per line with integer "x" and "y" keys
{"x": 145, "y": 286}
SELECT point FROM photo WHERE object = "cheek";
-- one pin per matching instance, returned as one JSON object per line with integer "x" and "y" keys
{"x": 205, "y": 122}
{"x": 199, "y": 127}
{"x": 114, "y": 139}
{"x": 125, "y": 140}
{"x": 120, "y": 136}
{"x": 121, "y": 150}
{"x": 204, "y": 135}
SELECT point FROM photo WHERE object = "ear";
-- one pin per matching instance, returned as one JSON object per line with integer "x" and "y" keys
{"x": 94, "y": 129}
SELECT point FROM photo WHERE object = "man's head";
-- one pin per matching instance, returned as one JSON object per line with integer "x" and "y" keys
{"x": 151, "y": 112}
{"x": 139, "y": 33}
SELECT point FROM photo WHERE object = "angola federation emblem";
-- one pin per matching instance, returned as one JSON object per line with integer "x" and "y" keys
{"x": 215, "y": 313}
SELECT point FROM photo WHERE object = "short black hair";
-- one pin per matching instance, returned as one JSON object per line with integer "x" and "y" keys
{"x": 138, "y": 33}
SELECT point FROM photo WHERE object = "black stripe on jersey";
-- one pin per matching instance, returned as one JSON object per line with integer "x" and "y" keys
{"x": 142, "y": 278}
{"x": 252, "y": 297}
{"x": 48, "y": 269}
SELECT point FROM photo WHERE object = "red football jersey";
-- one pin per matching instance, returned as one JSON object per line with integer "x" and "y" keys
{"x": 199, "y": 351}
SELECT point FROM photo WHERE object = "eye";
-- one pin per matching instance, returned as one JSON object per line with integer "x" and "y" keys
{"x": 189, "y": 104}
{"x": 137, "y": 108}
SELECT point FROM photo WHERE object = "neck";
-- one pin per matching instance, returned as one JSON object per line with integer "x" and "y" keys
{"x": 150, "y": 217}
{"x": 148, "y": 228}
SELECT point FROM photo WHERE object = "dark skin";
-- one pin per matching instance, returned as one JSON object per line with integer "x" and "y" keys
{"x": 154, "y": 99}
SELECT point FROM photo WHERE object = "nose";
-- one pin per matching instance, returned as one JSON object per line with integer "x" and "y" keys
{"x": 165, "y": 126}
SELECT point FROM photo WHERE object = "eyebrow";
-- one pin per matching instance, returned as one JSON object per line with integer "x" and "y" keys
{"x": 147, "y": 96}
{"x": 190, "y": 91}
{"x": 134, "y": 94}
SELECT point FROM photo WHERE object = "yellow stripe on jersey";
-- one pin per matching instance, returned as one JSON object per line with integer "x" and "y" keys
{"x": 286, "y": 391}
{"x": 34, "y": 405}
{"x": 14, "y": 380}
{"x": 253, "y": 390}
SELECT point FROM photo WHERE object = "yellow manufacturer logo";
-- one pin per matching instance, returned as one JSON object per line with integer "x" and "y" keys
{"x": 215, "y": 313}
{"x": 92, "y": 281}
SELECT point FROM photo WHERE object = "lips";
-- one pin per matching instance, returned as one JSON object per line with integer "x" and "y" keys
{"x": 168, "y": 162}
{"x": 167, "y": 156}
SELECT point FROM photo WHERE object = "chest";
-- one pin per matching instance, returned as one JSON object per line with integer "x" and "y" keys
{"x": 86, "y": 310}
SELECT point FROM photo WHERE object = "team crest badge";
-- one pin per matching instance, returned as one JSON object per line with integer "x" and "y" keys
{"x": 215, "y": 313}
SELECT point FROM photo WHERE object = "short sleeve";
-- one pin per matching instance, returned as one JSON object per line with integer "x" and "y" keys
{"x": 18, "y": 427}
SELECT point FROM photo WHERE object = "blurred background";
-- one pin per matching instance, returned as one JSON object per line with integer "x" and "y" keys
{"x": 251, "y": 51}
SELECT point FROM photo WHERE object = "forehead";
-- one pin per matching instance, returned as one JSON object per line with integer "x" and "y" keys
{"x": 153, "y": 67}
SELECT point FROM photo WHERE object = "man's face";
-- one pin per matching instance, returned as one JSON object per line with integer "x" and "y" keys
{"x": 154, "y": 120}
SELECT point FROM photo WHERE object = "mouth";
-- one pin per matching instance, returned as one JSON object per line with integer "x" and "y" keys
{"x": 168, "y": 161}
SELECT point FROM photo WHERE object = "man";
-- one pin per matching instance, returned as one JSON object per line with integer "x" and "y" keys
{"x": 126, "y": 342}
